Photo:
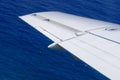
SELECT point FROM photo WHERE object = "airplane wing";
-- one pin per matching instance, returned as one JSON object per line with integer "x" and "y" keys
{"x": 95, "y": 42}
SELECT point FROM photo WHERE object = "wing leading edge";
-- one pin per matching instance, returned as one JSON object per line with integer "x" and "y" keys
{"x": 95, "y": 42}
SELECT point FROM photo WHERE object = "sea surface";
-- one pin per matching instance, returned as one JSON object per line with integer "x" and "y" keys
{"x": 23, "y": 50}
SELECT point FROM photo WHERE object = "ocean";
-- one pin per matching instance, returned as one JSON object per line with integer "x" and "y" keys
{"x": 23, "y": 50}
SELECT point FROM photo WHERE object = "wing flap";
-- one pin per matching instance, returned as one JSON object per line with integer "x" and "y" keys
{"x": 110, "y": 33}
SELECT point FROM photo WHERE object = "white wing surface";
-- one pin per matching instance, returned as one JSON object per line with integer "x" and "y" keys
{"x": 95, "y": 42}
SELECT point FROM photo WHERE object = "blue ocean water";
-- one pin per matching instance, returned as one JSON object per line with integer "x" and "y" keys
{"x": 23, "y": 50}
